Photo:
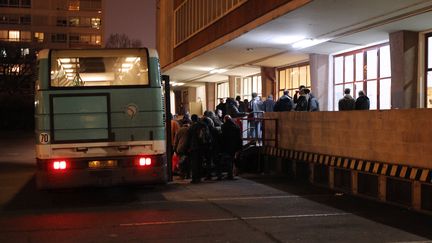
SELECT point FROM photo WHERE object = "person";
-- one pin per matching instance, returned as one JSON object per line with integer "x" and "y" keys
{"x": 180, "y": 147}
{"x": 231, "y": 143}
{"x": 284, "y": 103}
{"x": 347, "y": 103}
{"x": 246, "y": 105}
{"x": 222, "y": 106}
{"x": 256, "y": 106}
{"x": 362, "y": 102}
{"x": 199, "y": 143}
{"x": 219, "y": 115}
{"x": 175, "y": 127}
{"x": 269, "y": 104}
{"x": 216, "y": 121}
{"x": 186, "y": 119}
{"x": 297, "y": 94}
{"x": 313, "y": 104}
{"x": 241, "y": 105}
{"x": 208, "y": 153}
{"x": 302, "y": 101}
{"x": 232, "y": 110}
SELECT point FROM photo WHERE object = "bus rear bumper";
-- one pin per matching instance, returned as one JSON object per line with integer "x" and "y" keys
{"x": 81, "y": 177}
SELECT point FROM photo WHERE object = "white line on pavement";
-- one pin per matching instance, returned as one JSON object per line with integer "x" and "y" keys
{"x": 232, "y": 219}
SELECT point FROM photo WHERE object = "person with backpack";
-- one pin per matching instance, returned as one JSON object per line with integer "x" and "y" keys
{"x": 284, "y": 103}
{"x": 231, "y": 143}
{"x": 199, "y": 145}
{"x": 313, "y": 104}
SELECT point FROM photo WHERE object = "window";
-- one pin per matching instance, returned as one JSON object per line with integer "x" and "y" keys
{"x": 429, "y": 70}
{"x": 74, "y": 21}
{"x": 61, "y": 21}
{"x": 223, "y": 90}
{"x": 3, "y": 35}
{"x": 366, "y": 69}
{"x": 95, "y": 23}
{"x": 39, "y": 37}
{"x": 15, "y": 3}
{"x": 25, "y": 20}
{"x": 71, "y": 68}
{"x": 25, "y": 36}
{"x": 74, "y": 5}
{"x": 58, "y": 38}
{"x": 252, "y": 84}
{"x": 14, "y": 35}
{"x": 290, "y": 78}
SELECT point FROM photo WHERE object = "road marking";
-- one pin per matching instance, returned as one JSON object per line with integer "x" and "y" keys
{"x": 232, "y": 219}
{"x": 235, "y": 198}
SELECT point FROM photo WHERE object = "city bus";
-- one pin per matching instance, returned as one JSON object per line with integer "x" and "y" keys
{"x": 99, "y": 118}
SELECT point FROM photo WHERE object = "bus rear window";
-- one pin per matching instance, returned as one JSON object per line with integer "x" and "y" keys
{"x": 90, "y": 68}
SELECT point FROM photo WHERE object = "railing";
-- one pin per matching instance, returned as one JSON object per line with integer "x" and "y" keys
{"x": 192, "y": 16}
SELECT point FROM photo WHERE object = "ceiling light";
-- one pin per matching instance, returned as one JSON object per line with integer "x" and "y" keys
{"x": 65, "y": 60}
{"x": 67, "y": 65}
{"x": 216, "y": 70}
{"x": 287, "y": 39}
{"x": 130, "y": 59}
{"x": 126, "y": 65}
{"x": 308, "y": 43}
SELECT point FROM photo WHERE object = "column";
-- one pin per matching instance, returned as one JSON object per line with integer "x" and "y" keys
{"x": 404, "y": 64}
{"x": 319, "y": 71}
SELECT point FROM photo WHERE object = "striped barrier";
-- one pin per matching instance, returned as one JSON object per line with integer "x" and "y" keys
{"x": 373, "y": 167}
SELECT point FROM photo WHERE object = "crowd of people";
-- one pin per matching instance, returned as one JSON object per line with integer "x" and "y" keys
{"x": 208, "y": 146}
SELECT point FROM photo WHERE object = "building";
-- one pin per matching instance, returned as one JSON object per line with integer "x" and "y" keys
{"x": 239, "y": 46}
{"x": 27, "y": 26}
{"x": 52, "y": 23}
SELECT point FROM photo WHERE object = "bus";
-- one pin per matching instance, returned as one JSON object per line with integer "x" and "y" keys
{"x": 99, "y": 118}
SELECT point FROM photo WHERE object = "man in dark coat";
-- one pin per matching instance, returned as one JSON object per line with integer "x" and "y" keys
{"x": 222, "y": 107}
{"x": 232, "y": 110}
{"x": 362, "y": 102}
{"x": 231, "y": 143}
{"x": 284, "y": 103}
{"x": 347, "y": 103}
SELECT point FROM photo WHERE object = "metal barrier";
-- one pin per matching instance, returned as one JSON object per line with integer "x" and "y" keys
{"x": 253, "y": 132}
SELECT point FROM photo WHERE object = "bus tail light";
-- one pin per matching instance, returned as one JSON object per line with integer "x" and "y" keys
{"x": 144, "y": 161}
{"x": 59, "y": 165}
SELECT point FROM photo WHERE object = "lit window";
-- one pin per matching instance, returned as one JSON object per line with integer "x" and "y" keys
{"x": 14, "y": 35}
{"x": 74, "y": 5}
{"x": 74, "y": 21}
{"x": 95, "y": 23}
{"x": 113, "y": 68}
{"x": 39, "y": 36}
{"x": 290, "y": 78}
{"x": 223, "y": 90}
{"x": 429, "y": 70}
{"x": 251, "y": 84}
{"x": 368, "y": 70}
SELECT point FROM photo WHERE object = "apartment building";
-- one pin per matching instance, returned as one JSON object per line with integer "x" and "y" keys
{"x": 52, "y": 23}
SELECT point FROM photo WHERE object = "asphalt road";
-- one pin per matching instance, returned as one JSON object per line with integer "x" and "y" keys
{"x": 254, "y": 208}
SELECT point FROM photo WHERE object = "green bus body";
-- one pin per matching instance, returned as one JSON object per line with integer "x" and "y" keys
{"x": 99, "y": 132}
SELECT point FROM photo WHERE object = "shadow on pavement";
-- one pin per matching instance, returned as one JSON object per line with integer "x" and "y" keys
{"x": 390, "y": 215}
{"x": 29, "y": 198}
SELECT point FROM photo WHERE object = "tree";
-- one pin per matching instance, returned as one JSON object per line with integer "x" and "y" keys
{"x": 17, "y": 68}
{"x": 122, "y": 41}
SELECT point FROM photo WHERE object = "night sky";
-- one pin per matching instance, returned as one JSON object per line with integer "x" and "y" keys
{"x": 135, "y": 18}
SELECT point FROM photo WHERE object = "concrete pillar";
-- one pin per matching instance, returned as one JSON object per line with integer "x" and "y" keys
{"x": 416, "y": 195}
{"x": 232, "y": 88}
{"x": 210, "y": 96}
{"x": 268, "y": 81}
{"x": 404, "y": 64}
{"x": 331, "y": 177}
{"x": 312, "y": 172}
{"x": 382, "y": 188}
{"x": 354, "y": 182}
{"x": 319, "y": 71}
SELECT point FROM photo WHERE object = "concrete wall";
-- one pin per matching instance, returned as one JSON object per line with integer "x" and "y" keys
{"x": 393, "y": 136}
